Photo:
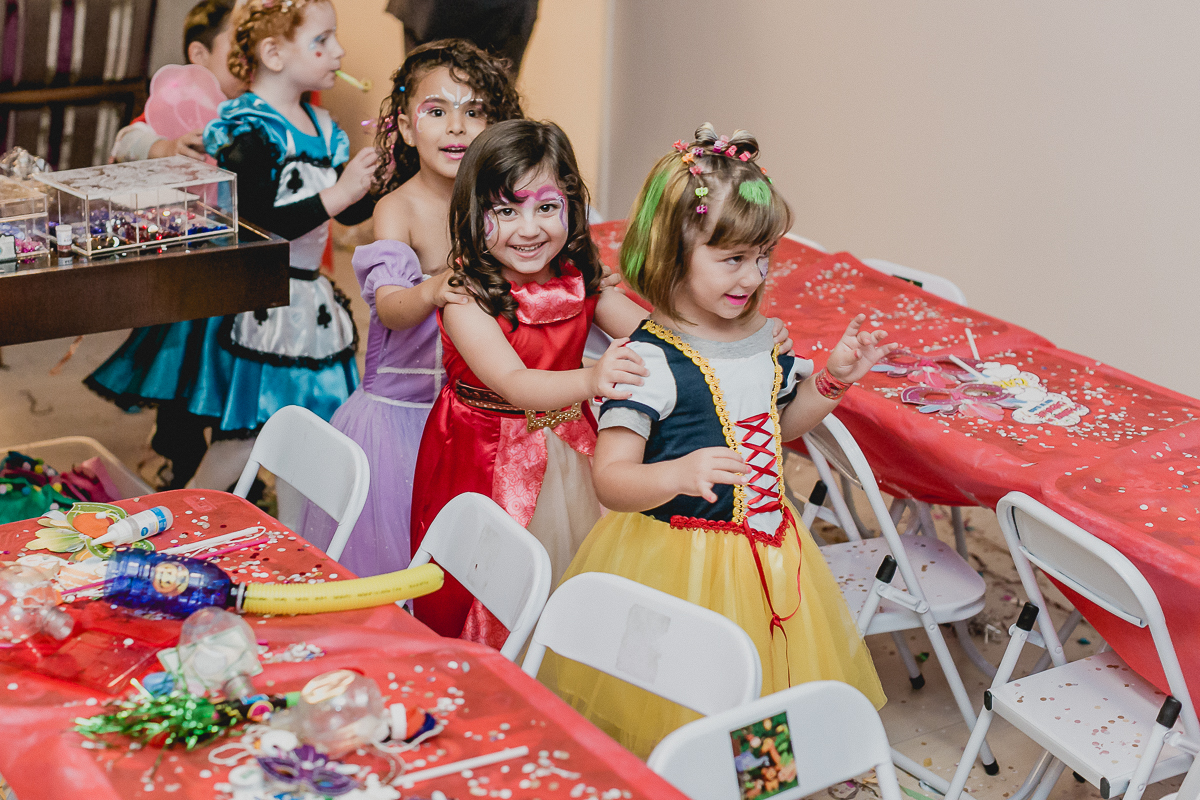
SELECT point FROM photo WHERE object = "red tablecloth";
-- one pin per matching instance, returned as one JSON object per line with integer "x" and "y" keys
{"x": 1139, "y": 437}
{"x": 42, "y": 757}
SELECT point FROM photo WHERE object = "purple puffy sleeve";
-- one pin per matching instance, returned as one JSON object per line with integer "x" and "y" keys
{"x": 386, "y": 262}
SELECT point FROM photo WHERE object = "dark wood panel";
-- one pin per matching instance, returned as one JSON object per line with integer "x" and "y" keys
{"x": 130, "y": 292}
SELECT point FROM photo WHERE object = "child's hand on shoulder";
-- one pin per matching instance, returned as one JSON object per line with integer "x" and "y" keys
{"x": 700, "y": 470}
{"x": 190, "y": 145}
{"x": 782, "y": 337}
{"x": 356, "y": 177}
{"x": 609, "y": 279}
{"x": 618, "y": 365}
{"x": 437, "y": 291}
{"x": 857, "y": 352}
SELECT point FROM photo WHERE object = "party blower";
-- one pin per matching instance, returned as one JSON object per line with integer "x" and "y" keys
{"x": 177, "y": 585}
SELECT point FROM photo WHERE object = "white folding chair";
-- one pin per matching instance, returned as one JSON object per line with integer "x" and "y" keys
{"x": 833, "y": 734}
{"x": 317, "y": 460}
{"x": 937, "y": 585}
{"x": 1095, "y": 715}
{"x": 678, "y": 650}
{"x": 503, "y": 565}
{"x": 805, "y": 242}
{"x": 934, "y": 284}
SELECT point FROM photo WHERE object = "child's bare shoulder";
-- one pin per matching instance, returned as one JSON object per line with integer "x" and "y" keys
{"x": 394, "y": 215}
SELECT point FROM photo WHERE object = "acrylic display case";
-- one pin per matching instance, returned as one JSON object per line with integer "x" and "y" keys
{"x": 23, "y": 217}
{"x": 139, "y": 204}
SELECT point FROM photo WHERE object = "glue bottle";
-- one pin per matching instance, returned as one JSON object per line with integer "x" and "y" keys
{"x": 139, "y": 526}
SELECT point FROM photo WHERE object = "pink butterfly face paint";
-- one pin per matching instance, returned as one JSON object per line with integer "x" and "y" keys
{"x": 526, "y": 232}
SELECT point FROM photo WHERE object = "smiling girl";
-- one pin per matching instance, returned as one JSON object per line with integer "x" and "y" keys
{"x": 690, "y": 460}
{"x": 443, "y": 95}
{"x": 512, "y": 421}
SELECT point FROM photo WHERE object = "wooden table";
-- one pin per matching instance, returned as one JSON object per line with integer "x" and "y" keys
{"x": 494, "y": 704}
{"x": 47, "y": 299}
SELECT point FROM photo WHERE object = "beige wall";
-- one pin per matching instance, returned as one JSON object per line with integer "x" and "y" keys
{"x": 561, "y": 78}
{"x": 1043, "y": 154}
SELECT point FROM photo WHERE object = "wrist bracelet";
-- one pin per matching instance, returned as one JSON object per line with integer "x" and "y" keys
{"x": 830, "y": 387}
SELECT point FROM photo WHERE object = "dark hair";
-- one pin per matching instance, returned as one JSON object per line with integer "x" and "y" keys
{"x": 740, "y": 207}
{"x": 204, "y": 22}
{"x": 493, "y": 168}
{"x": 488, "y": 76}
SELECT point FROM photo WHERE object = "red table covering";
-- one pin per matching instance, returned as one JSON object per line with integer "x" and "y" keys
{"x": 1138, "y": 437}
{"x": 41, "y": 756}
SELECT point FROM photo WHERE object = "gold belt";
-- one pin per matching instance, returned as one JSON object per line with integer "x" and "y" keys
{"x": 487, "y": 400}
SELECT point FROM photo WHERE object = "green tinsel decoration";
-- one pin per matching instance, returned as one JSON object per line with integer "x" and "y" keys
{"x": 755, "y": 191}
{"x": 177, "y": 717}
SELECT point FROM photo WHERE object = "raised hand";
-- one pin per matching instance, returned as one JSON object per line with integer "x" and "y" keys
{"x": 696, "y": 473}
{"x": 618, "y": 365}
{"x": 356, "y": 177}
{"x": 857, "y": 351}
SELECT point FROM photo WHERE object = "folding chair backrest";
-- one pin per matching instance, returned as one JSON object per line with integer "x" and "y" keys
{"x": 830, "y": 729}
{"x": 826, "y": 441}
{"x": 806, "y": 242}
{"x": 934, "y": 284}
{"x": 495, "y": 559}
{"x": 1094, "y": 569}
{"x": 319, "y": 461}
{"x": 656, "y": 641}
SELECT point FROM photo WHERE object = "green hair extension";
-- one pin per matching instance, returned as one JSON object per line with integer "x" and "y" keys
{"x": 756, "y": 191}
{"x": 633, "y": 256}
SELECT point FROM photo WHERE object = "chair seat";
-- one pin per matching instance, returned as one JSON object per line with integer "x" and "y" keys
{"x": 953, "y": 590}
{"x": 1095, "y": 715}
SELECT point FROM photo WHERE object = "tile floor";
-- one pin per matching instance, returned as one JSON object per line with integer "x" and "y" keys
{"x": 925, "y": 724}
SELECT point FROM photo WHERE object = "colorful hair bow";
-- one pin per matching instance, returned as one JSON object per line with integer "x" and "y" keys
{"x": 679, "y": 145}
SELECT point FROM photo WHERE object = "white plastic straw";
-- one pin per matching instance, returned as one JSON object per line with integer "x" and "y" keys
{"x": 408, "y": 779}
{"x": 963, "y": 364}
{"x": 205, "y": 544}
{"x": 971, "y": 341}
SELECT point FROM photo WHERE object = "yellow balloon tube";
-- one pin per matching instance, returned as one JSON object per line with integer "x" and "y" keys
{"x": 317, "y": 598}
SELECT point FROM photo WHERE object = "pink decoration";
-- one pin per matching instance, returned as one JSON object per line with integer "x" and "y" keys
{"x": 182, "y": 99}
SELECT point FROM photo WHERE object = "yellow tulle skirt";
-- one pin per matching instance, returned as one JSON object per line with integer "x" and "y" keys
{"x": 717, "y": 570}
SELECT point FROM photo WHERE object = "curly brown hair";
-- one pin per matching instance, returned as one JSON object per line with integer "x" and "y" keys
{"x": 489, "y": 77}
{"x": 256, "y": 20}
{"x": 496, "y": 163}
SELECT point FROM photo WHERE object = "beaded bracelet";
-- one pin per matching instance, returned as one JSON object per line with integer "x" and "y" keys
{"x": 830, "y": 387}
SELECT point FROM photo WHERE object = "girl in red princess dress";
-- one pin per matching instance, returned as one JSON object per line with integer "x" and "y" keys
{"x": 512, "y": 421}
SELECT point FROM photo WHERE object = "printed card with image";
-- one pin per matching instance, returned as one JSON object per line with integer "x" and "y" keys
{"x": 762, "y": 755}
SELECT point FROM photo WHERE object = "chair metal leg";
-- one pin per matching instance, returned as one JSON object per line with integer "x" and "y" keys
{"x": 897, "y": 509}
{"x": 968, "y": 646}
{"x": 960, "y": 533}
{"x": 924, "y": 774}
{"x": 961, "y": 698}
{"x": 848, "y": 496}
{"x": 924, "y": 513}
{"x": 1046, "y": 784}
{"x": 1068, "y": 627}
{"x": 910, "y": 663}
{"x": 1034, "y": 779}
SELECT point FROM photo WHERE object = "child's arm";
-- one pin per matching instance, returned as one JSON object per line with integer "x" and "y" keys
{"x": 351, "y": 187}
{"x": 624, "y": 483}
{"x": 487, "y": 352}
{"x": 617, "y": 315}
{"x": 401, "y": 308}
{"x": 850, "y": 360}
{"x": 190, "y": 145}
{"x": 135, "y": 142}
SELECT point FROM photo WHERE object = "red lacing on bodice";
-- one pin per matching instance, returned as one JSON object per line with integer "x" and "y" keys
{"x": 766, "y": 500}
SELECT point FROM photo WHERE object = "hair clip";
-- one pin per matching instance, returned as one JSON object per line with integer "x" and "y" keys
{"x": 695, "y": 169}
{"x": 687, "y": 158}
{"x": 701, "y": 193}
{"x": 679, "y": 145}
{"x": 721, "y": 144}
{"x": 698, "y": 151}
{"x": 744, "y": 156}
{"x": 732, "y": 151}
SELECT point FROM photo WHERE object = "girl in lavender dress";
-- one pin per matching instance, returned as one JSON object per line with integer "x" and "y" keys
{"x": 442, "y": 97}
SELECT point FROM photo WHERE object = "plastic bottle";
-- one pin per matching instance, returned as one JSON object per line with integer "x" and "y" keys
{"x": 139, "y": 526}
{"x": 222, "y": 650}
{"x": 29, "y": 605}
{"x": 174, "y": 585}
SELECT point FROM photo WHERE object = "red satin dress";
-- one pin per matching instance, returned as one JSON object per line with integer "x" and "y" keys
{"x": 499, "y": 453}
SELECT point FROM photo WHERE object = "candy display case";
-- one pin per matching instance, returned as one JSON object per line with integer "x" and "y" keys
{"x": 23, "y": 217}
{"x": 158, "y": 202}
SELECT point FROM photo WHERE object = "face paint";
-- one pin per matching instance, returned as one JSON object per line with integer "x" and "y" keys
{"x": 427, "y": 107}
{"x": 763, "y": 263}
{"x": 489, "y": 225}
{"x": 458, "y": 98}
{"x": 547, "y": 193}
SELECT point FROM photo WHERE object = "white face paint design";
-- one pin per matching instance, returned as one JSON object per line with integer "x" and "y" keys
{"x": 461, "y": 96}
{"x": 458, "y": 98}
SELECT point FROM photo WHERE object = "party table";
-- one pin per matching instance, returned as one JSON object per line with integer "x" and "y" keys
{"x": 486, "y": 702}
{"x": 1127, "y": 471}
